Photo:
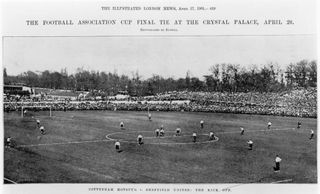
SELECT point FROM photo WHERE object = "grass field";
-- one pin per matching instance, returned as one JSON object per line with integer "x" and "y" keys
{"x": 75, "y": 148}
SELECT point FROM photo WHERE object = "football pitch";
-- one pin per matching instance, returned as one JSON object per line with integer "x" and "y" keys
{"x": 78, "y": 147}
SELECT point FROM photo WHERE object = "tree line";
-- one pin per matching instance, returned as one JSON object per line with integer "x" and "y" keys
{"x": 221, "y": 77}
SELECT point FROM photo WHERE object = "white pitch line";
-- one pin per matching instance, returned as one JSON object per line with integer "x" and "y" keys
{"x": 245, "y": 184}
{"x": 225, "y": 132}
{"x": 88, "y": 171}
{"x": 181, "y": 143}
{"x": 94, "y": 173}
{"x": 110, "y": 139}
{"x": 282, "y": 181}
{"x": 172, "y": 143}
{"x": 9, "y": 180}
{"x": 64, "y": 143}
{"x": 252, "y": 131}
{"x": 164, "y": 137}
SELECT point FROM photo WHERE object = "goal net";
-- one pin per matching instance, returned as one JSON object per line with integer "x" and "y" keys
{"x": 36, "y": 111}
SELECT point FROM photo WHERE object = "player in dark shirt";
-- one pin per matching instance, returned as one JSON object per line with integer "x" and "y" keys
{"x": 299, "y": 125}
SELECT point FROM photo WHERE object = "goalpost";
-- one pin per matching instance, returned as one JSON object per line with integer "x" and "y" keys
{"x": 23, "y": 108}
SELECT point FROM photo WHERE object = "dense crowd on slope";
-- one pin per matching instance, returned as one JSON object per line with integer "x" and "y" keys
{"x": 302, "y": 102}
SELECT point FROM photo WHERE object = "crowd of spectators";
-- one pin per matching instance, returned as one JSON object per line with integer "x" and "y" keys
{"x": 299, "y": 103}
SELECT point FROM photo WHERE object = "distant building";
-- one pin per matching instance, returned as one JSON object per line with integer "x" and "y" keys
{"x": 17, "y": 90}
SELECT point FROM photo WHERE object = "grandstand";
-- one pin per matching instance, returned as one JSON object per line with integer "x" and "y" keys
{"x": 297, "y": 103}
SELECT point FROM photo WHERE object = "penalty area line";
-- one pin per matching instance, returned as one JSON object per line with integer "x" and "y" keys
{"x": 11, "y": 181}
{"x": 65, "y": 143}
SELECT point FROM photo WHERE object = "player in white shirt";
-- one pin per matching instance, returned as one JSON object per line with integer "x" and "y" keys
{"x": 140, "y": 139}
{"x": 8, "y": 142}
{"x": 250, "y": 145}
{"x": 149, "y": 116}
{"x": 42, "y": 130}
{"x": 121, "y": 125}
{"x": 162, "y": 132}
{"x": 157, "y": 132}
{"x": 25, "y": 112}
{"x": 201, "y": 124}
{"x": 277, "y": 161}
{"x": 269, "y": 125}
{"x": 194, "y": 135}
{"x": 38, "y": 123}
{"x": 242, "y": 131}
{"x": 212, "y": 136}
{"x": 178, "y": 132}
{"x": 117, "y": 146}
{"x": 311, "y": 134}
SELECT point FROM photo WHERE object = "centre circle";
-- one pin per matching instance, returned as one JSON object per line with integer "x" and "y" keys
{"x": 182, "y": 139}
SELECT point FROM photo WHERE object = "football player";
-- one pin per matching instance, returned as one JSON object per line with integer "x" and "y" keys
{"x": 117, "y": 146}
{"x": 194, "y": 135}
{"x": 42, "y": 130}
{"x": 157, "y": 132}
{"x": 121, "y": 125}
{"x": 250, "y": 145}
{"x": 311, "y": 134}
{"x": 140, "y": 139}
{"x": 38, "y": 123}
{"x": 269, "y": 125}
{"x": 161, "y": 132}
{"x": 241, "y": 131}
{"x": 212, "y": 136}
{"x": 178, "y": 132}
{"x": 201, "y": 124}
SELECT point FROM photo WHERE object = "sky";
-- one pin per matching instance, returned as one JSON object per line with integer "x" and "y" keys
{"x": 165, "y": 56}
